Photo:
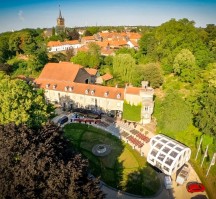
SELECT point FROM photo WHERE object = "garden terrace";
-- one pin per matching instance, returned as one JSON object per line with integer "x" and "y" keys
{"x": 123, "y": 168}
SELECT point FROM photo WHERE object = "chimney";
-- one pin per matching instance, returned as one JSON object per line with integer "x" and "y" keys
{"x": 144, "y": 84}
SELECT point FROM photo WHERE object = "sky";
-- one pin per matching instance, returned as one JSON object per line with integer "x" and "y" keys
{"x": 19, "y": 14}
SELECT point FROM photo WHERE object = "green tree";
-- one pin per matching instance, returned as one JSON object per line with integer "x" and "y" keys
{"x": 94, "y": 55}
{"x": 69, "y": 53}
{"x": 81, "y": 58}
{"x": 87, "y": 33}
{"x": 91, "y": 30}
{"x": 73, "y": 34}
{"x": 185, "y": 65}
{"x": 4, "y": 47}
{"x": 20, "y": 103}
{"x": 206, "y": 116}
{"x": 153, "y": 74}
{"x": 108, "y": 60}
{"x": 123, "y": 67}
{"x": 40, "y": 164}
{"x": 175, "y": 114}
{"x": 173, "y": 36}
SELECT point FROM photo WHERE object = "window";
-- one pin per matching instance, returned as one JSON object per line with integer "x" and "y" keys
{"x": 158, "y": 146}
{"x": 173, "y": 154}
{"x": 86, "y": 91}
{"x": 146, "y": 108}
{"x": 118, "y": 96}
{"x": 54, "y": 86}
{"x": 70, "y": 88}
{"x": 92, "y": 92}
{"x": 47, "y": 85}
{"x": 66, "y": 88}
{"x": 106, "y": 94}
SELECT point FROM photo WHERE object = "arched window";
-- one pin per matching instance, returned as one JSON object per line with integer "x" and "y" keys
{"x": 92, "y": 92}
{"x": 54, "y": 86}
{"x": 106, "y": 94}
{"x": 71, "y": 88}
{"x": 86, "y": 91}
{"x": 66, "y": 88}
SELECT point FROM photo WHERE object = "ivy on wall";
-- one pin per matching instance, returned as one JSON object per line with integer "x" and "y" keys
{"x": 131, "y": 112}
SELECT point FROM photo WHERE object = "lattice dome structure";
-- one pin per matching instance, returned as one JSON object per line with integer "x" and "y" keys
{"x": 167, "y": 154}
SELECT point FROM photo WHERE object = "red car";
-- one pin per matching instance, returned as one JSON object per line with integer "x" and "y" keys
{"x": 195, "y": 187}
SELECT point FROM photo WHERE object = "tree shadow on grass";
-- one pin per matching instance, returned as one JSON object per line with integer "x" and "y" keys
{"x": 108, "y": 167}
{"x": 144, "y": 182}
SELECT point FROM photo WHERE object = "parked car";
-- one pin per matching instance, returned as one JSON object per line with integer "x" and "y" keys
{"x": 195, "y": 187}
{"x": 183, "y": 175}
{"x": 168, "y": 182}
{"x": 62, "y": 120}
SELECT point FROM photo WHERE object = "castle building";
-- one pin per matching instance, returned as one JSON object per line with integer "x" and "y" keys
{"x": 60, "y": 23}
{"x": 71, "y": 86}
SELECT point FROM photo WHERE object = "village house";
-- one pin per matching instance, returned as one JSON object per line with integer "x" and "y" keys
{"x": 70, "y": 85}
{"x": 57, "y": 46}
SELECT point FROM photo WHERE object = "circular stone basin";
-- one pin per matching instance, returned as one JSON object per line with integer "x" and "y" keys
{"x": 101, "y": 149}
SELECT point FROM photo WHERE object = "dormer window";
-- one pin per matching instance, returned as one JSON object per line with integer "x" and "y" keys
{"x": 106, "y": 94}
{"x": 54, "y": 86}
{"x": 118, "y": 96}
{"x": 92, "y": 92}
{"x": 47, "y": 85}
{"x": 71, "y": 88}
{"x": 66, "y": 88}
{"x": 86, "y": 91}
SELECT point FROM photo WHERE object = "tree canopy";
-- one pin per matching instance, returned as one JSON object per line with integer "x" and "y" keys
{"x": 40, "y": 164}
{"x": 206, "y": 116}
{"x": 185, "y": 65}
{"x": 175, "y": 114}
{"x": 21, "y": 103}
{"x": 153, "y": 74}
{"x": 123, "y": 67}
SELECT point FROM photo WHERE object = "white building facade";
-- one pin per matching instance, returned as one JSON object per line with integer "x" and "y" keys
{"x": 68, "y": 84}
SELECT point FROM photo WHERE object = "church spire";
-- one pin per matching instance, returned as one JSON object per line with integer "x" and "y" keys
{"x": 60, "y": 15}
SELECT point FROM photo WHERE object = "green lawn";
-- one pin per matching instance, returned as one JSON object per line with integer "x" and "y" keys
{"x": 123, "y": 168}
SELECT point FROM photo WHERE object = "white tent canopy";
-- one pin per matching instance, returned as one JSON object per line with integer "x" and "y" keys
{"x": 167, "y": 154}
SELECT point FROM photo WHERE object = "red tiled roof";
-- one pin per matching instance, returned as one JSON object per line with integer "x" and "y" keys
{"x": 133, "y": 90}
{"x": 63, "y": 71}
{"x": 58, "y": 43}
{"x": 118, "y": 43}
{"x": 134, "y": 43}
{"x": 83, "y": 48}
{"x": 105, "y": 51}
{"x": 71, "y": 42}
{"x": 102, "y": 43}
{"x": 54, "y": 43}
{"x": 107, "y": 76}
{"x": 80, "y": 88}
{"x": 91, "y": 71}
{"x": 88, "y": 38}
{"x": 134, "y": 35}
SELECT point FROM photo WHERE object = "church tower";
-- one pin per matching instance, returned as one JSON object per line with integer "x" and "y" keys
{"x": 60, "y": 23}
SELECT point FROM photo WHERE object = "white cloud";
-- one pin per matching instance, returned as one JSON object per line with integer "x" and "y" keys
{"x": 20, "y": 14}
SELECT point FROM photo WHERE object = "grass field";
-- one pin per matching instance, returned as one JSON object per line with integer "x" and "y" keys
{"x": 123, "y": 168}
